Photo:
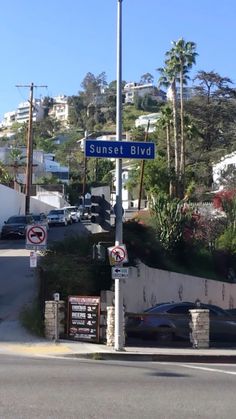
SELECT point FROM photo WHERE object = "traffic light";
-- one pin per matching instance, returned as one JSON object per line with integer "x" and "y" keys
{"x": 96, "y": 209}
{"x": 100, "y": 211}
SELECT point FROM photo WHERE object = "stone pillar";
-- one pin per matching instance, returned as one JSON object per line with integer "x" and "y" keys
{"x": 50, "y": 318}
{"x": 106, "y": 299}
{"x": 110, "y": 326}
{"x": 200, "y": 328}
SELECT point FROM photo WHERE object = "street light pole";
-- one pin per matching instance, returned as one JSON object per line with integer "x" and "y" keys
{"x": 119, "y": 225}
{"x": 28, "y": 183}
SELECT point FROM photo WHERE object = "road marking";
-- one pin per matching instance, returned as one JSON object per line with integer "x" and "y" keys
{"x": 207, "y": 369}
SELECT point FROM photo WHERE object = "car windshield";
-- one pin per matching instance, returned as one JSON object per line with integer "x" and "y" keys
{"x": 17, "y": 220}
{"x": 56, "y": 212}
{"x": 72, "y": 209}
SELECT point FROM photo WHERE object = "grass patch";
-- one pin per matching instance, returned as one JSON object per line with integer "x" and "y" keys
{"x": 31, "y": 318}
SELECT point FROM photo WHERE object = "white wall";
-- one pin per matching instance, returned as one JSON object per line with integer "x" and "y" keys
{"x": 146, "y": 287}
{"x": 54, "y": 199}
{"x": 13, "y": 203}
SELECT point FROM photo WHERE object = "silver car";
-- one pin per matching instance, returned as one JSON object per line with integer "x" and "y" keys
{"x": 59, "y": 217}
{"x": 74, "y": 213}
{"x": 41, "y": 219}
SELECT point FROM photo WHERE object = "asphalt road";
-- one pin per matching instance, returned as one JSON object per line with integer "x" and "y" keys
{"x": 18, "y": 283}
{"x": 59, "y": 388}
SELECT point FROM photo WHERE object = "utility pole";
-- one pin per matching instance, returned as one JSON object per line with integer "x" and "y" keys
{"x": 29, "y": 163}
{"x": 119, "y": 344}
{"x": 142, "y": 170}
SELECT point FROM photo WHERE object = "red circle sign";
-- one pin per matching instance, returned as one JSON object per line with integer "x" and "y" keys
{"x": 36, "y": 235}
{"x": 118, "y": 253}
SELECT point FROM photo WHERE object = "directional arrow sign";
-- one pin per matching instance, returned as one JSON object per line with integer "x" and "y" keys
{"x": 119, "y": 273}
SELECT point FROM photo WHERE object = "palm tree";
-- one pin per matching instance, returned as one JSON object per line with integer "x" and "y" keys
{"x": 182, "y": 56}
{"x": 168, "y": 78}
{"x": 4, "y": 175}
{"x": 165, "y": 121}
{"x": 17, "y": 160}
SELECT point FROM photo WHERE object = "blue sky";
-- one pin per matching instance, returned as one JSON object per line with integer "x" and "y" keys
{"x": 56, "y": 42}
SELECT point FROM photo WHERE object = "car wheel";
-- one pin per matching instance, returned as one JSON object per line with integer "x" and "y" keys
{"x": 165, "y": 336}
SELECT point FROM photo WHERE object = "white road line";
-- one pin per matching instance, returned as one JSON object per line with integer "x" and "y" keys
{"x": 207, "y": 369}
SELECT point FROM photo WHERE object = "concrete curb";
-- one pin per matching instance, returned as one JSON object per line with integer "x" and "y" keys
{"x": 186, "y": 358}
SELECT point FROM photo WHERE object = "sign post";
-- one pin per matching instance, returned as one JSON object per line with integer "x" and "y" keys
{"x": 56, "y": 297}
{"x": 119, "y": 149}
{"x": 33, "y": 259}
{"x": 36, "y": 239}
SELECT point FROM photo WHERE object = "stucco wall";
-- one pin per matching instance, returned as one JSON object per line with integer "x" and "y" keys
{"x": 146, "y": 287}
{"x": 13, "y": 203}
{"x": 52, "y": 199}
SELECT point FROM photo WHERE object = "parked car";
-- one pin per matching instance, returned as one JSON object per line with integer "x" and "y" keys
{"x": 59, "y": 217}
{"x": 169, "y": 321}
{"x": 75, "y": 213}
{"x": 41, "y": 219}
{"x": 15, "y": 226}
{"x": 84, "y": 212}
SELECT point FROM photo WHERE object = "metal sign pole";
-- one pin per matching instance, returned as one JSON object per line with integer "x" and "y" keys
{"x": 56, "y": 303}
{"x": 119, "y": 227}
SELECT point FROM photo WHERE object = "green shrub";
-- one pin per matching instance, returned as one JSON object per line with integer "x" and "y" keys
{"x": 31, "y": 318}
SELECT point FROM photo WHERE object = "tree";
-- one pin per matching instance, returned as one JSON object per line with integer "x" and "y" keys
{"x": 212, "y": 85}
{"x": 213, "y": 112}
{"x": 16, "y": 161}
{"x": 4, "y": 175}
{"x": 44, "y": 132}
{"x": 137, "y": 134}
{"x": 182, "y": 57}
{"x": 168, "y": 78}
{"x": 165, "y": 122}
{"x": 99, "y": 171}
{"x": 146, "y": 78}
{"x": 93, "y": 86}
{"x": 48, "y": 104}
{"x": 77, "y": 108}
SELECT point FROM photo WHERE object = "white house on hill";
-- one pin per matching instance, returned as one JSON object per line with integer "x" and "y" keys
{"x": 226, "y": 163}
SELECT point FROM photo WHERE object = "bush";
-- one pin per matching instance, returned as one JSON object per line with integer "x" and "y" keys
{"x": 32, "y": 319}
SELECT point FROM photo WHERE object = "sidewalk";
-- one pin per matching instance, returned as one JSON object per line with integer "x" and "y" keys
{"x": 73, "y": 349}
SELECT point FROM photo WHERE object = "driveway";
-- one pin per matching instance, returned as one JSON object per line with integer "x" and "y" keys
{"x": 18, "y": 282}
